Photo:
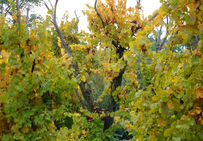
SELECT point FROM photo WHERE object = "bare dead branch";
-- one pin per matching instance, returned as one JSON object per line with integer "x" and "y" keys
{"x": 167, "y": 20}
{"x": 62, "y": 40}
{"x": 163, "y": 42}
{"x": 77, "y": 19}
{"x": 46, "y": 6}
{"x": 54, "y": 17}
{"x": 76, "y": 14}
{"x": 7, "y": 10}
{"x": 164, "y": 39}
{"x": 58, "y": 29}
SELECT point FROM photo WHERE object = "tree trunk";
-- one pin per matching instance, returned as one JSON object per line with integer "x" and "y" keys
{"x": 117, "y": 81}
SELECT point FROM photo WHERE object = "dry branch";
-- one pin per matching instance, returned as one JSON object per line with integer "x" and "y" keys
{"x": 68, "y": 51}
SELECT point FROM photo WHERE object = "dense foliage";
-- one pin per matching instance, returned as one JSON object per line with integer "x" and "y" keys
{"x": 124, "y": 79}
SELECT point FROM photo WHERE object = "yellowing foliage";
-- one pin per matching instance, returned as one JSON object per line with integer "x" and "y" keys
{"x": 123, "y": 75}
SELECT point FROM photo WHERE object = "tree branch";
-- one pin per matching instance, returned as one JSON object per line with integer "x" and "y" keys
{"x": 58, "y": 30}
{"x": 95, "y": 7}
{"x": 46, "y": 6}
{"x": 164, "y": 40}
{"x": 76, "y": 14}
{"x": 54, "y": 17}
{"x": 196, "y": 41}
{"x": 77, "y": 19}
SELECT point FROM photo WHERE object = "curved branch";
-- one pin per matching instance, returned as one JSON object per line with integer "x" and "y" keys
{"x": 95, "y": 7}
{"x": 68, "y": 51}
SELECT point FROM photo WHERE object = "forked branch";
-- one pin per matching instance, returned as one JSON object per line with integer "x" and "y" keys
{"x": 68, "y": 51}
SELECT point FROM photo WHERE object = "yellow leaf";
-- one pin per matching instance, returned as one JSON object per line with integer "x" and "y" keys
{"x": 184, "y": 117}
{"x": 162, "y": 10}
{"x": 152, "y": 138}
{"x": 91, "y": 115}
{"x": 162, "y": 122}
{"x": 77, "y": 114}
{"x": 83, "y": 78}
{"x": 100, "y": 100}
{"x": 154, "y": 98}
{"x": 201, "y": 121}
{"x": 170, "y": 104}
{"x": 14, "y": 17}
{"x": 51, "y": 126}
{"x": 168, "y": 132}
{"x": 131, "y": 44}
{"x": 192, "y": 112}
{"x": 173, "y": 116}
{"x": 198, "y": 110}
{"x": 117, "y": 119}
{"x": 140, "y": 138}
{"x": 169, "y": 91}
{"x": 199, "y": 93}
{"x": 200, "y": 27}
{"x": 83, "y": 132}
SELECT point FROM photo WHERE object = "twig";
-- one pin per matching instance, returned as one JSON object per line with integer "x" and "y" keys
{"x": 154, "y": 16}
{"x": 46, "y": 6}
{"x": 76, "y": 14}
{"x": 164, "y": 40}
{"x": 77, "y": 19}
{"x": 138, "y": 1}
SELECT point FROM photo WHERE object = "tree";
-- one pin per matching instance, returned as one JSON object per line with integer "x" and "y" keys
{"x": 11, "y": 8}
{"x": 58, "y": 80}
{"x": 115, "y": 44}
